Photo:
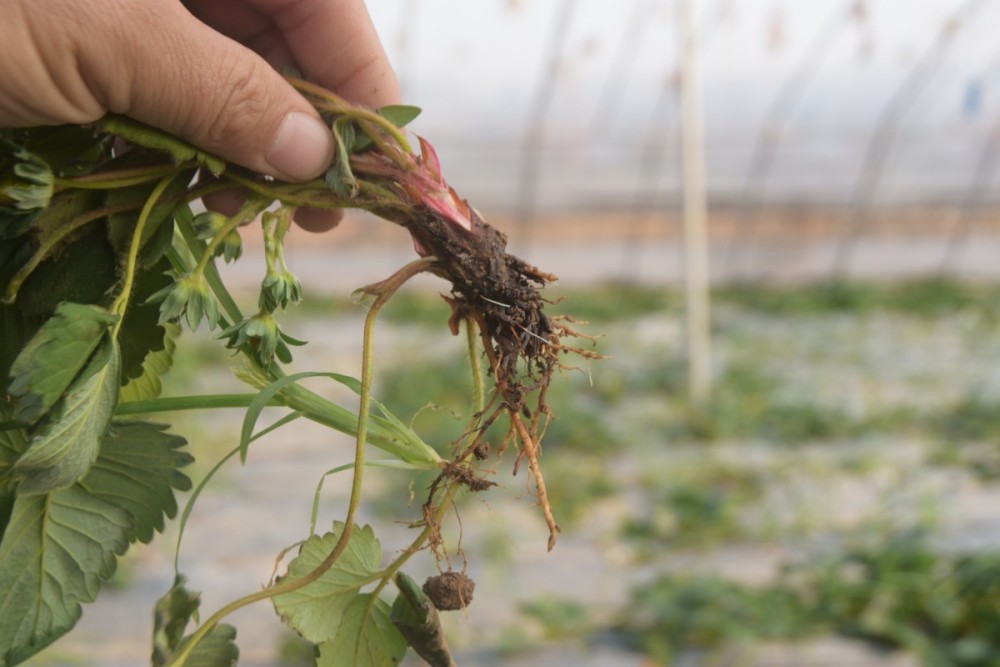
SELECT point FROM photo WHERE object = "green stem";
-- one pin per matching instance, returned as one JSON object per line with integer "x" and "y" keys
{"x": 417, "y": 544}
{"x": 124, "y": 178}
{"x": 275, "y": 191}
{"x": 203, "y": 189}
{"x": 315, "y": 194}
{"x": 184, "y": 403}
{"x": 121, "y": 302}
{"x": 248, "y": 211}
{"x": 337, "y": 104}
{"x": 211, "y": 273}
{"x": 392, "y": 151}
{"x": 386, "y": 575}
{"x": 388, "y": 288}
{"x": 479, "y": 393}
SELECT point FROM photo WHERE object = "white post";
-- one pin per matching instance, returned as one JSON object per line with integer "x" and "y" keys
{"x": 695, "y": 209}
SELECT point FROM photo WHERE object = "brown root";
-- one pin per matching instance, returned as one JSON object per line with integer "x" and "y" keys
{"x": 531, "y": 452}
{"x": 501, "y": 294}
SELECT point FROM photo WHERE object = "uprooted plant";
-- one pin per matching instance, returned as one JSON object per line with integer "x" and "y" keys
{"x": 101, "y": 258}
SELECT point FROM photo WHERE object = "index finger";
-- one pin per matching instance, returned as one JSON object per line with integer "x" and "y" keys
{"x": 335, "y": 44}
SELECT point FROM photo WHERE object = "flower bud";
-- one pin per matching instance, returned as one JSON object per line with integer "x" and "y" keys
{"x": 262, "y": 337}
{"x": 191, "y": 297}
{"x": 278, "y": 289}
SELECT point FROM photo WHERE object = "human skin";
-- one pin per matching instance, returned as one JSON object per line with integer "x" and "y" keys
{"x": 206, "y": 71}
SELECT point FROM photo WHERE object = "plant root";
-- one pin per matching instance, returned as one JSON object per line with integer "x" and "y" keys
{"x": 501, "y": 294}
{"x": 531, "y": 452}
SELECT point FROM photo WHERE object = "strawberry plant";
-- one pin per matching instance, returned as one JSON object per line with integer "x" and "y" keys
{"x": 102, "y": 261}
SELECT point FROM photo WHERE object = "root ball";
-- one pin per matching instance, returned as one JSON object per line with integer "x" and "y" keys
{"x": 450, "y": 591}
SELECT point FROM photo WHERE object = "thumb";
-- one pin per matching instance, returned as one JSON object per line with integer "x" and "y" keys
{"x": 201, "y": 86}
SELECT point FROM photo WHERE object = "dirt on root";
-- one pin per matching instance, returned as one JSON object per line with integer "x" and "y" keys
{"x": 499, "y": 289}
{"x": 450, "y": 591}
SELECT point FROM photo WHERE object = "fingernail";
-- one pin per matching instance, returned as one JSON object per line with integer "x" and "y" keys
{"x": 302, "y": 148}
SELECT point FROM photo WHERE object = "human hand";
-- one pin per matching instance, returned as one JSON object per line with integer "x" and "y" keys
{"x": 204, "y": 70}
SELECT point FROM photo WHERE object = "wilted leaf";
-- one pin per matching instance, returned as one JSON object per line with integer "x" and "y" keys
{"x": 54, "y": 356}
{"x": 171, "y": 615}
{"x": 415, "y": 616}
{"x": 66, "y": 444}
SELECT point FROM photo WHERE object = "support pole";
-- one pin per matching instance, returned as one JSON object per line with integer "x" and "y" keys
{"x": 695, "y": 209}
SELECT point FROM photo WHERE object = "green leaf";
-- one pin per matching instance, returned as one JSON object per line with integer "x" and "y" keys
{"x": 16, "y": 329}
{"x": 317, "y": 609}
{"x": 217, "y": 649}
{"x": 12, "y": 443}
{"x": 346, "y": 135}
{"x": 141, "y": 332}
{"x": 151, "y": 137}
{"x": 48, "y": 227}
{"x": 55, "y": 553}
{"x": 83, "y": 272}
{"x": 339, "y": 177}
{"x": 54, "y": 357}
{"x": 365, "y": 637}
{"x": 67, "y": 443}
{"x": 53, "y": 230}
{"x": 71, "y": 150}
{"x": 399, "y": 114}
{"x": 58, "y": 548}
{"x": 15, "y": 224}
{"x": 147, "y": 385}
{"x": 389, "y": 435}
{"x": 416, "y": 618}
{"x": 139, "y": 470}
